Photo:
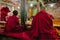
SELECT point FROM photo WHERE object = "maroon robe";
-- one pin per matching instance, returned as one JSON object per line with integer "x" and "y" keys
{"x": 11, "y": 26}
{"x": 12, "y": 23}
{"x": 42, "y": 27}
{"x": 4, "y": 13}
{"x": 20, "y": 35}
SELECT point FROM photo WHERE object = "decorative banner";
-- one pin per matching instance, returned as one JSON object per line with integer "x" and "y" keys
{"x": 15, "y": 1}
{"x": 54, "y": 1}
{"x": 5, "y": 0}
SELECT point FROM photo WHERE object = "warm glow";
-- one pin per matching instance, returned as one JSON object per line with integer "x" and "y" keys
{"x": 31, "y": 5}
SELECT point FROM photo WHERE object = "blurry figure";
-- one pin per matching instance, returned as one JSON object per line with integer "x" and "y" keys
{"x": 30, "y": 12}
{"x": 13, "y": 22}
{"x": 35, "y": 10}
{"x": 42, "y": 27}
{"x": 4, "y": 12}
{"x": 12, "y": 28}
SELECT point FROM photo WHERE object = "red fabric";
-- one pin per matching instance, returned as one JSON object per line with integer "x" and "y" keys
{"x": 42, "y": 24}
{"x": 4, "y": 12}
{"x": 12, "y": 23}
{"x": 21, "y": 35}
{"x": 51, "y": 16}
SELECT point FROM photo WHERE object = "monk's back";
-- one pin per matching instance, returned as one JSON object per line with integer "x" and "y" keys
{"x": 12, "y": 22}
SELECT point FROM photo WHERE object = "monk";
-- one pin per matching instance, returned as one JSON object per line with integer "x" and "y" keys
{"x": 4, "y": 12}
{"x": 13, "y": 29}
{"x": 12, "y": 22}
{"x": 42, "y": 27}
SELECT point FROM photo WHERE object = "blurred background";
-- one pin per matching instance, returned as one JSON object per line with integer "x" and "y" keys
{"x": 27, "y": 9}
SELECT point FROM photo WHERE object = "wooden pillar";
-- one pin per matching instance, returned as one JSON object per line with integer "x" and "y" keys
{"x": 23, "y": 12}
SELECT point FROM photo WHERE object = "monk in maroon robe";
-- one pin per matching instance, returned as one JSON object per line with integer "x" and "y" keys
{"x": 42, "y": 27}
{"x": 4, "y": 13}
{"x": 12, "y": 28}
{"x": 12, "y": 22}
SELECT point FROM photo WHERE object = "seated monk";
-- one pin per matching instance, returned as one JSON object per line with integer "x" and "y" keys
{"x": 42, "y": 27}
{"x": 13, "y": 23}
{"x": 12, "y": 27}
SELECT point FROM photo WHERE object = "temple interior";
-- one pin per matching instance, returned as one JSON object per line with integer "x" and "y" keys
{"x": 27, "y": 9}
